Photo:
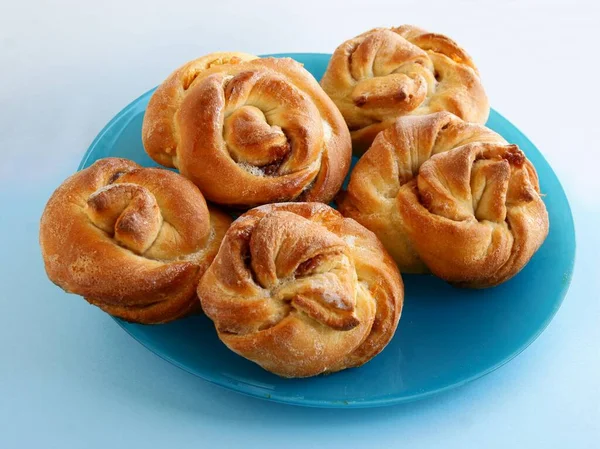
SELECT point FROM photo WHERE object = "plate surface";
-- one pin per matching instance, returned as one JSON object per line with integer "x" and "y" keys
{"x": 446, "y": 336}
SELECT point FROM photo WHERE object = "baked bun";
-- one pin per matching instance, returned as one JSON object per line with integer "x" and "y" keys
{"x": 249, "y": 131}
{"x": 451, "y": 197}
{"x": 301, "y": 290}
{"x": 386, "y": 73}
{"x": 133, "y": 241}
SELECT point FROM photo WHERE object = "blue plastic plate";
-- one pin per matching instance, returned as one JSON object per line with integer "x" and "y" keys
{"x": 446, "y": 336}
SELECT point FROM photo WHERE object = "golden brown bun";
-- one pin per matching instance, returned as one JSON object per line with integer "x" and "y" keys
{"x": 449, "y": 196}
{"x": 133, "y": 241}
{"x": 249, "y": 131}
{"x": 386, "y": 73}
{"x": 301, "y": 290}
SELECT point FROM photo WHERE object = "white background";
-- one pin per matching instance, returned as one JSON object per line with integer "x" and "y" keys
{"x": 69, "y": 377}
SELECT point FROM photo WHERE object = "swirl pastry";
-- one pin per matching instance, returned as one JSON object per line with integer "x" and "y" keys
{"x": 451, "y": 197}
{"x": 249, "y": 131}
{"x": 386, "y": 73}
{"x": 301, "y": 290}
{"x": 133, "y": 241}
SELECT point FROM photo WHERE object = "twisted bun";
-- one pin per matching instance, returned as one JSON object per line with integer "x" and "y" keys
{"x": 300, "y": 290}
{"x": 249, "y": 131}
{"x": 451, "y": 197}
{"x": 133, "y": 241}
{"x": 384, "y": 74}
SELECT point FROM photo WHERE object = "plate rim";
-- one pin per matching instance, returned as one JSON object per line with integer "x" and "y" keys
{"x": 227, "y": 384}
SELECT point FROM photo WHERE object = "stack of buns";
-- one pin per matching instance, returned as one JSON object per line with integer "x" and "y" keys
{"x": 292, "y": 284}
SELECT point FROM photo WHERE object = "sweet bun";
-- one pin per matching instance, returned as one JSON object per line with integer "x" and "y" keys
{"x": 249, "y": 131}
{"x": 387, "y": 73}
{"x": 133, "y": 241}
{"x": 301, "y": 290}
{"x": 449, "y": 197}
